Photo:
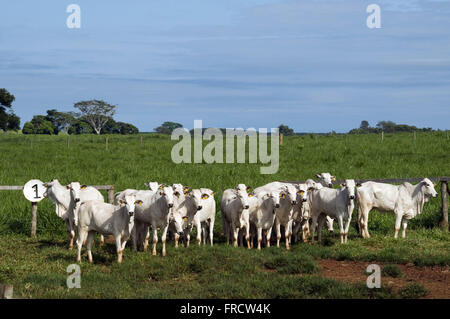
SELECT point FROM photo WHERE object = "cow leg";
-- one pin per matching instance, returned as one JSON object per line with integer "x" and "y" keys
{"x": 155, "y": 240}
{"x": 321, "y": 222}
{"x": 199, "y": 232}
{"x": 81, "y": 235}
{"x": 235, "y": 235}
{"x": 313, "y": 225}
{"x": 341, "y": 227}
{"x": 102, "y": 240}
{"x": 405, "y": 224}
{"x": 177, "y": 238}
{"x": 278, "y": 230}
{"x": 347, "y": 226}
{"x": 364, "y": 221}
{"x": 70, "y": 233}
{"x": 398, "y": 221}
{"x": 117, "y": 237}
{"x": 247, "y": 236}
{"x": 211, "y": 231}
{"x": 259, "y": 231}
{"x": 89, "y": 241}
{"x": 147, "y": 236}
{"x": 133, "y": 237}
{"x": 163, "y": 239}
{"x": 268, "y": 236}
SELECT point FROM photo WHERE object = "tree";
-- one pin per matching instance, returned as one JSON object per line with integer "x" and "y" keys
{"x": 285, "y": 130}
{"x": 38, "y": 125}
{"x": 96, "y": 113}
{"x": 13, "y": 122}
{"x": 61, "y": 121}
{"x": 387, "y": 126}
{"x": 168, "y": 127}
{"x": 7, "y": 121}
{"x": 126, "y": 128}
{"x": 364, "y": 125}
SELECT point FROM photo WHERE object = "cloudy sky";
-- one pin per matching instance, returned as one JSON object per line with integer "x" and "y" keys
{"x": 313, "y": 65}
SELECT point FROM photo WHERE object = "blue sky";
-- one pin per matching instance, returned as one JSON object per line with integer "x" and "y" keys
{"x": 313, "y": 65}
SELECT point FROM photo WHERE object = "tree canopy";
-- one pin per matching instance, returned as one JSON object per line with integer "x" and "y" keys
{"x": 96, "y": 112}
{"x": 285, "y": 130}
{"x": 168, "y": 127}
{"x": 8, "y": 120}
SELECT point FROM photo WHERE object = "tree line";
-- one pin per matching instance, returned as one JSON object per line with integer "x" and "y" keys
{"x": 387, "y": 127}
{"x": 94, "y": 116}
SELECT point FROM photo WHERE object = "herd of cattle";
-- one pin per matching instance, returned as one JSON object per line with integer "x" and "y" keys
{"x": 246, "y": 212}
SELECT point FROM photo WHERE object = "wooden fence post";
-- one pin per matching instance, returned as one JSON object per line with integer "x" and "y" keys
{"x": 141, "y": 139}
{"x": 382, "y": 136}
{"x": 33, "y": 218}
{"x": 6, "y": 291}
{"x": 444, "y": 192}
{"x": 281, "y": 138}
{"x": 111, "y": 195}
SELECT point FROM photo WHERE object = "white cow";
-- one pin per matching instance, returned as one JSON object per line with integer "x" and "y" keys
{"x": 205, "y": 215}
{"x": 234, "y": 206}
{"x": 262, "y": 213}
{"x": 154, "y": 212}
{"x": 67, "y": 200}
{"x": 405, "y": 200}
{"x": 107, "y": 219}
{"x": 325, "y": 180}
{"x": 336, "y": 203}
{"x": 301, "y": 213}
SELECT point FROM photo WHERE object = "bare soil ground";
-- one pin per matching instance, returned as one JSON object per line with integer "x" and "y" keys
{"x": 435, "y": 279}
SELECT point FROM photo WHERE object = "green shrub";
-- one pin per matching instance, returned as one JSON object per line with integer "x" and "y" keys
{"x": 391, "y": 270}
{"x": 413, "y": 291}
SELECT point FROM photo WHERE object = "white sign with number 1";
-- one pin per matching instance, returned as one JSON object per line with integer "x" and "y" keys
{"x": 34, "y": 190}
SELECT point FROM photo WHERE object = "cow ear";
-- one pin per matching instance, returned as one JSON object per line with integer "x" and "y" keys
{"x": 333, "y": 178}
{"x": 84, "y": 187}
{"x": 121, "y": 202}
{"x": 138, "y": 202}
{"x": 310, "y": 189}
{"x": 358, "y": 184}
{"x": 68, "y": 186}
{"x": 205, "y": 196}
{"x": 213, "y": 193}
{"x": 249, "y": 188}
{"x": 250, "y": 195}
{"x": 343, "y": 184}
{"x": 318, "y": 176}
{"x": 161, "y": 186}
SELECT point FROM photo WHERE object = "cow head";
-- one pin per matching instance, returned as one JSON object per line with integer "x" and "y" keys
{"x": 199, "y": 197}
{"x": 326, "y": 179}
{"x": 290, "y": 192}
{"x": 349, "y": 187}
{"x": 178, "y": 191}
{"x": 75, "y": 191}
{"x": 302, "y": 192}
{"x": 274, "y": 196}
{"x": 178, "y": 222}
{"x": 167, "y": 193}
{"x": 428, "y": 188}
{"x": 130, "y": 203}
{"x": 242, "y": 195}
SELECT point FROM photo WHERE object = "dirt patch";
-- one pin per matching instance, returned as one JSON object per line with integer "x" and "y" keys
{"x": 435, "y": 279}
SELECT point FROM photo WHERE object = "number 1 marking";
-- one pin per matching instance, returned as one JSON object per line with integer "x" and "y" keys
{"x": 36, "y": 190}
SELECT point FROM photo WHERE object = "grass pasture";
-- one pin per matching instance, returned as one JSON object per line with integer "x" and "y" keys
{"x": 37, "y": 267}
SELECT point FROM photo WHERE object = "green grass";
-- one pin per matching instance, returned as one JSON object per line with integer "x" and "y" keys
{"x": 37, "y": 267}
{"x": 391, "y": 270}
